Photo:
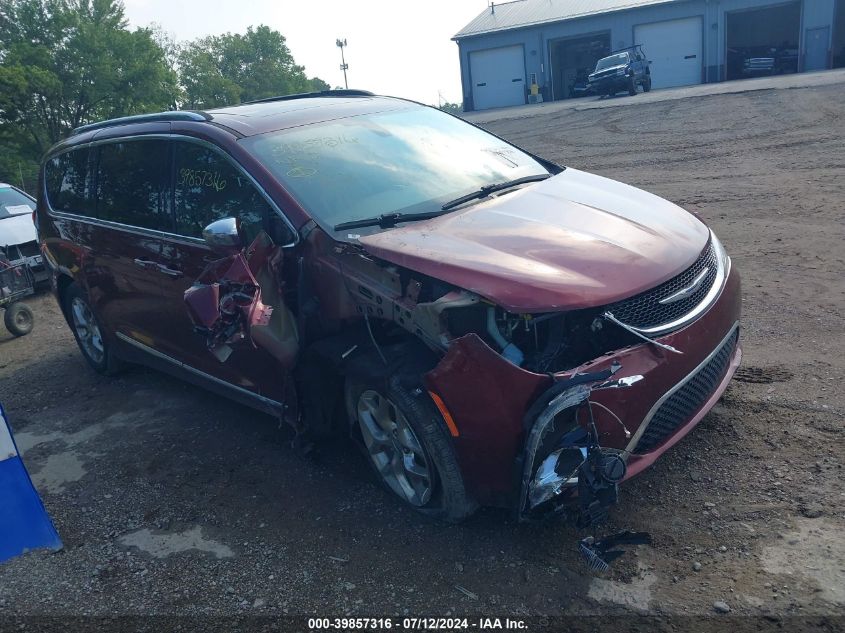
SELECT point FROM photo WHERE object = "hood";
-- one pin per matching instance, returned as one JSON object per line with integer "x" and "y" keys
{"x": 609, "y": 71}
{"x": 17, "y": 229}
{"x": 573, "y": 241}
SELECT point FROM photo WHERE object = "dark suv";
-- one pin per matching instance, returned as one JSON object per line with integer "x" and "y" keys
{"x": 623, "y": 70}
{"x": 489, "y": 327}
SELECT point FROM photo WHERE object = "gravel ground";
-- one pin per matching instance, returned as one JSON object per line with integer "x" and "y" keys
{"x": 172, "y": 500}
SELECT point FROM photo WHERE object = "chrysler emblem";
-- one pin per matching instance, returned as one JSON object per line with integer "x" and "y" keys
{"x": 683, "y": 293}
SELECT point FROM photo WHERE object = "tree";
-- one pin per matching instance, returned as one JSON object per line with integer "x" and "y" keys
{"x": 64, "y": 63}
{"x": 451, "y": 108}
{"x": 231, "y": 68}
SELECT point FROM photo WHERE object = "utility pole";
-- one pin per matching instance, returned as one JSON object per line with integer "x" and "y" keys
{"x": 343, "y": 66}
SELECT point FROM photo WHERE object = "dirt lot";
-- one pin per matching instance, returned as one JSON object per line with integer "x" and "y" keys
{"x": 173, "y": 500}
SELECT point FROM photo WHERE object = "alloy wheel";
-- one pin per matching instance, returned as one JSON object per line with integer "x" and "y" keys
{"x": 394, "y": 448}
{"x": 87, "y": 330}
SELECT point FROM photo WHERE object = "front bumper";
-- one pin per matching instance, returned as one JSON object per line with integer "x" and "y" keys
{"x": 489, "y": 398}
{"x": 616, "y": 83}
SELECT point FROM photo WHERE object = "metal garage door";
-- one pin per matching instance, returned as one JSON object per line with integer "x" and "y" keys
{"x": 498, "y": 77}
{"x": 674, "y": 48}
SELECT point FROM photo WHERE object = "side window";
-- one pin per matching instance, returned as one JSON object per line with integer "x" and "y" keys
{"x": 133, "y": 183}
{"x": 209, "y": 188}
{"x": 66, "y": 181}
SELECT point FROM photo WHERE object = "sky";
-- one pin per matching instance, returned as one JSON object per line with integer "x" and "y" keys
{"x": 394, "y": 47}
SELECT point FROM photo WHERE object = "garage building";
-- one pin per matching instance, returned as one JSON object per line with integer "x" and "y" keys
{"x": 555, "y": 43}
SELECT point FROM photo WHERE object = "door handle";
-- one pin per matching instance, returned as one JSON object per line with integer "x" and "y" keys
{"x": 170, "y": 272}
{"x": 145, "y": 263}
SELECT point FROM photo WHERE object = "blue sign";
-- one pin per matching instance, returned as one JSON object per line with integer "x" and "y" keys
{"x": 24, "y": 523}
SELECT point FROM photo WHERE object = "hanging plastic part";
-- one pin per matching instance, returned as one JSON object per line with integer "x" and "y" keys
{"x": 609, "y": 316}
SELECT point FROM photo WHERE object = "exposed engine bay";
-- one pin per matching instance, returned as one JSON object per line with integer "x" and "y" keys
{"x": 439, "y": 313}
{"x": 541, "y": 343}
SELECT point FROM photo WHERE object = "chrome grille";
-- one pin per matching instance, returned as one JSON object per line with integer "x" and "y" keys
{"x": 645, "y": 311}
{"x": 678, "y": 408}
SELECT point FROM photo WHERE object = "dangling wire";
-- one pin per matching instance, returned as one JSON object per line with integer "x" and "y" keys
{"x": 616, "y": 417}
{"x": 373, "y": 338}
{"x": 363, "y": 311}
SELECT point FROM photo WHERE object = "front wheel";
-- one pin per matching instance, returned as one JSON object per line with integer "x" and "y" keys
{"x": 19, "y": 319}
{"x": 406, "y": 440}
{"x": 647, "y": 84}
{"x": 632, "y": 86}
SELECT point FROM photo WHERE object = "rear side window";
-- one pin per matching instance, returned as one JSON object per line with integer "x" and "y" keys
{"x": 209, "y": 188}
{"x": 133, "y": 184}
{"x": 66, "y": 180}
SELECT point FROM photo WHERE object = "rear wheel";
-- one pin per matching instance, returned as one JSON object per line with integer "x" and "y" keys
{"x": 19, "y": 319}
{"x": 88, "y": 333}
{"x": 405, "y": 439}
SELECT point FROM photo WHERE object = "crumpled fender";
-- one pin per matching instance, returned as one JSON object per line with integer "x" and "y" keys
{"x": 488, "y": 397}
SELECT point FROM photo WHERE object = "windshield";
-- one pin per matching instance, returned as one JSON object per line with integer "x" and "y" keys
{"x": 13, "y": 202}
{"x": 411, "y": 160}
{"x": 613, "y": 60}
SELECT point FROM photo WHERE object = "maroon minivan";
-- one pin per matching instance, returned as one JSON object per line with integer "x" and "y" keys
{"x": 491, "y": 328}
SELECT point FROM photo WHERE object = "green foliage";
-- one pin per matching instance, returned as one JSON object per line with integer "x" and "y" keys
{"x": 64, "y": 63}
{"x": 451, "y": 108}
{"x": 225, "y": 69}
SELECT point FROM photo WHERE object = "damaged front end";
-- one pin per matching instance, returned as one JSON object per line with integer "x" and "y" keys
{"x": 564, "y": 458}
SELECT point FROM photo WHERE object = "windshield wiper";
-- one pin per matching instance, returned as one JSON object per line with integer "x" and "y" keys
{"x": 486, "y": 190}
{"x": 386, "y": 220}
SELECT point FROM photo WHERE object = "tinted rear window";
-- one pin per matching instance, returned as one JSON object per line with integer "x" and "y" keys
{"x": 133, "y": 184}
{"x": 66, "y": 179}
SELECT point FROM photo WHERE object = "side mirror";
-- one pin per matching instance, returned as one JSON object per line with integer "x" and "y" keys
{"x": 223, "y": 235}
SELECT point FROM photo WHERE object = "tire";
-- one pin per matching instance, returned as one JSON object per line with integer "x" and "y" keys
{"x": 632, "y": 86}
{"x": 94, "y": 347}
{"x": 19, "y": 319}
{"x": 440, "y": 493}
{"x": 647, "y": 84}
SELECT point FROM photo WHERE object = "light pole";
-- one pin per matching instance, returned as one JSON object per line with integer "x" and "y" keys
{"x": 343, "y": 66}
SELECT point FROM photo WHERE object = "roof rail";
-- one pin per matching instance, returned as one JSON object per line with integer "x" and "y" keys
{"x": 174, "y": 115}
{"x": 310, "y": 95}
